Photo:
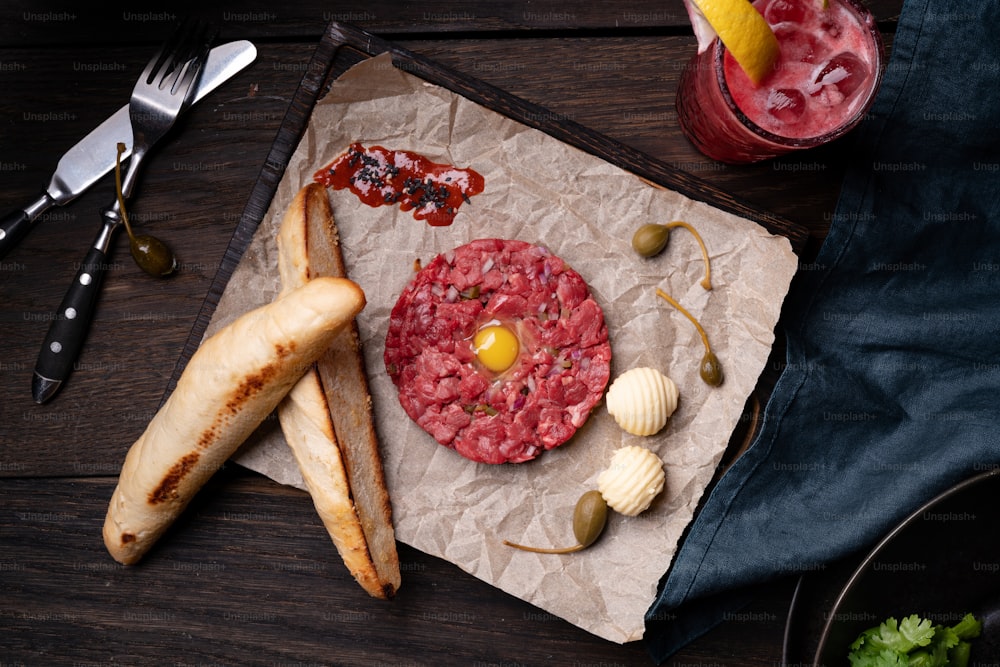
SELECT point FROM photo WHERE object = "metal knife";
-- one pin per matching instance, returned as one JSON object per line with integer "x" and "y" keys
{"x": 68, "y": 330}
{"x": 94, "y": 156}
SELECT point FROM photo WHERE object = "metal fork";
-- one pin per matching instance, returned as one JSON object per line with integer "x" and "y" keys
{"x": 164, "y": 90}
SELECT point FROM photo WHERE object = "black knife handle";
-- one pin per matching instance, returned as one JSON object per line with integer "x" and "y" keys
{"x": 13, "y": 227}
{"x": 70, "y": 325}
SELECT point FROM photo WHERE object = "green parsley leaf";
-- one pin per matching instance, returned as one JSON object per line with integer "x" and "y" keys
{"x": 886, "y": 658}
{"x": 914, "y": 642}
{"x": 968, "y": 628}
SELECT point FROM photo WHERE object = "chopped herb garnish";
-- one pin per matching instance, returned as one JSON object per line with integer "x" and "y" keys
{"x": 915, "y": 641}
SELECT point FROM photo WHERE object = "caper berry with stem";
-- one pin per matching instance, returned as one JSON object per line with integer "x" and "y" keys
{"x": 711, "y": 369}
{"x": 589, "y": 518}
{"x": 150, "y": 253}
{"x": 650, "y": 239}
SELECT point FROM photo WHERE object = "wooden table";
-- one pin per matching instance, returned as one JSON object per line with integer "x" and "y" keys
{"x": 249, "y": 575}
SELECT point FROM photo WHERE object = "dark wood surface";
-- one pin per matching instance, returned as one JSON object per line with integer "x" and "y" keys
{"x": 249, "y": 576}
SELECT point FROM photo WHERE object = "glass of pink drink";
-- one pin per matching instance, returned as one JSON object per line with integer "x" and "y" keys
{"x": 822, "y": 84}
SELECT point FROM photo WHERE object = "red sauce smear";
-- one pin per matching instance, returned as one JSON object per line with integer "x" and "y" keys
{"x": 382, "y": 177}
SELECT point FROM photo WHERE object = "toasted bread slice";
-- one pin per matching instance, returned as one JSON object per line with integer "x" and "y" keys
{"x": 327, "y": 418}
{"x": 231, "y": 383}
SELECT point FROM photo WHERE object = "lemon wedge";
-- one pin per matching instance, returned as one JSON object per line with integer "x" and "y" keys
{"x": 742, "y": 30}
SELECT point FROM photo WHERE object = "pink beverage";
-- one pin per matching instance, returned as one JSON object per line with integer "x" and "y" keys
{"x": 823, "y": 83}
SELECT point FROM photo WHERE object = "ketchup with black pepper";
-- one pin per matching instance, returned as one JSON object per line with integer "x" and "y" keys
{"x": 383, "y": 177}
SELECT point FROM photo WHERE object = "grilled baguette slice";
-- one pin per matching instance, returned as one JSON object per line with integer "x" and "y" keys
{"x": 231, "y": 383}
{"x": 327, "y": 417}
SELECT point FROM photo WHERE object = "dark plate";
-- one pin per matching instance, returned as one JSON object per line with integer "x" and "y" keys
{"x": 940, "y": 562}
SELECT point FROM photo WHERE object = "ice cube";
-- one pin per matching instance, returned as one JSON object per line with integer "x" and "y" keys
{"x": 782, "y": 11}
{"x": 845, "y": 71}
{"x": 786, "y": 104}
{"x": 797, "y": 45}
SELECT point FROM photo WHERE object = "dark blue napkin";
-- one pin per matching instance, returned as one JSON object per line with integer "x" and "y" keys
{"x": 892, "y": 390}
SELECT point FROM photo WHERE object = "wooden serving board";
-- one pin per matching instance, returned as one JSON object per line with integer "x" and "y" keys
{"x": 343, "y": 46}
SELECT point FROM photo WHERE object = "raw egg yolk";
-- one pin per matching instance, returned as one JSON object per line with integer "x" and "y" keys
{"x": 496, "y": 347}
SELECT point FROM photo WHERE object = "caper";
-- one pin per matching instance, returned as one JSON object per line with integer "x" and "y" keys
{"x": 152, "y": 255}
{"x": 589, "y": 517}
{"x": 650, "y": 239}
{"x": 711, "y": 369}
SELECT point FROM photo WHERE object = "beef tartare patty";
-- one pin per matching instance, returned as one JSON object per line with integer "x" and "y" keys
{"x": 498, "y": 350}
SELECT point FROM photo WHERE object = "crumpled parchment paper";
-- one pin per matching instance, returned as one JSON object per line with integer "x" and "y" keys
{"x": 585, "y": 210}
